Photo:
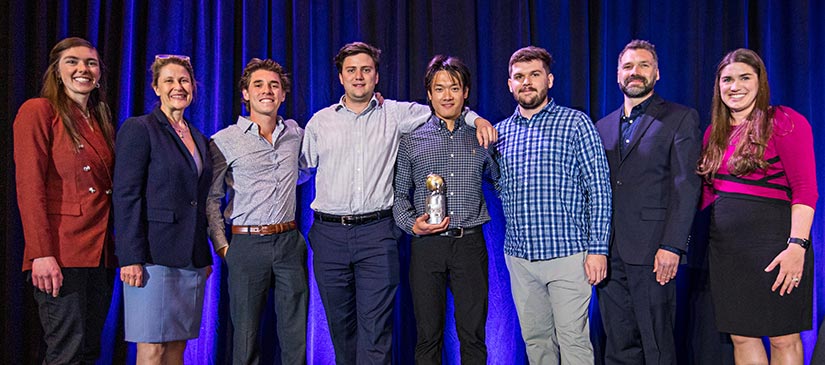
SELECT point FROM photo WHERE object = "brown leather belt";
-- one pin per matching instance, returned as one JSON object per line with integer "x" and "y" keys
{"x": 265, "y": 229}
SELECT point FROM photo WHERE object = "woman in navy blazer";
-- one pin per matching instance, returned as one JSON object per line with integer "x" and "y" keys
{"x": 162, "y": 176}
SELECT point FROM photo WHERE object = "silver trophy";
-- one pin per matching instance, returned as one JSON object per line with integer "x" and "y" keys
{"x": 437, "y": 200}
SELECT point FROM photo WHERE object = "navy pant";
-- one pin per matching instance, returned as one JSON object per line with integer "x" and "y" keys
{"x": 356, "y": 268}
{"x": 436, "y": 261}
{"x": 256, "y": 264}
{"x": 73, "y": 322}
{"x": 638, "y": 314}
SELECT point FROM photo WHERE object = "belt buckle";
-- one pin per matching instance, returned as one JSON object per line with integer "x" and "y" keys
{"x": 259, "y": 229}
{"x": 461, "y": 232}
{"x": 344, "y": 219}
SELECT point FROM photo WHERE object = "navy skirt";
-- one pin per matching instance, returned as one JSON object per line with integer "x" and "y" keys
{"x": 746, "y": 234}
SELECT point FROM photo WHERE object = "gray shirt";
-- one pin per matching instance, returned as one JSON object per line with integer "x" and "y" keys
{"x": 260, "y": 177}
{"x": 353, "y": 154}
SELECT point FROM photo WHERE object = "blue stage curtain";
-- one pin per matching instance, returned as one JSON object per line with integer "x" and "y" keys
{"x": 584, "y": 37}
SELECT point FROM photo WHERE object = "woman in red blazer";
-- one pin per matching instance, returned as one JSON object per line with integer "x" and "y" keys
{"x": 63, "y": 152}
{"x": 162, "y": 177}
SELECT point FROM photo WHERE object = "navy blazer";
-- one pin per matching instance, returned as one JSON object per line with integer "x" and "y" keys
{"x": 655, "y": 187}
{"x": 159, "y": 199}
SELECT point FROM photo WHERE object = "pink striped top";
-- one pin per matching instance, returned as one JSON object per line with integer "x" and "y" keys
{"x": 791, "y": 173}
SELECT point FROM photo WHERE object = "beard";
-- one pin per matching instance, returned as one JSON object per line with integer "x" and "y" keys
{"x": 531, "y": 102}
{"x": 637, "y": 91}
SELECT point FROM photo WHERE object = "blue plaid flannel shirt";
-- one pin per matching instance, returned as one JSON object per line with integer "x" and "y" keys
{"x": 554, "y": 186}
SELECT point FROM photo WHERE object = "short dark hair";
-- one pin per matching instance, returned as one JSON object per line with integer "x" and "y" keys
{"x": 453, "y": 66}
{"x": 256, "y": 64}
{"x": 531, "y": 53}
{"x": 354, "y": 48}
{"x": 640, "y": 44}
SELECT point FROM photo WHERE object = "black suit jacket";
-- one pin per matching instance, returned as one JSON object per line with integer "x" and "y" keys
{"x": 655, "y": 188}
{"x": 159, "y": 199}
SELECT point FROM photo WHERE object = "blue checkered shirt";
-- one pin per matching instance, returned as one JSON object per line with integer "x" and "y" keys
{"x": 554, "y": 186}
{"x": 457, "y": 157}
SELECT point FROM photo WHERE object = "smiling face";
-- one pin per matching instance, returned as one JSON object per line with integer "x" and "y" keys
{"x": 447, "y": 96}
{"x": 529, "y": 82}
{"x": 638, "y": 73}
{"x": 264, "y": 94}
{"x": 174, "y": 87}
{"x": 738, "y": 87}
{"x": 79, "y": 71}
{"x": 359, "y": 77}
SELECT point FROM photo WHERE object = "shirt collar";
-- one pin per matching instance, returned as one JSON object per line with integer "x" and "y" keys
{"x": 248, "y": 126}
{"x": 441, "y": 124}
{"x": 546, "y": 109}
{"x": 638, "y": 109}
{"x": 373, "y": 103}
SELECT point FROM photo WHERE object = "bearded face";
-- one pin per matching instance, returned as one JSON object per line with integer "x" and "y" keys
{"x": 638, "y": 73}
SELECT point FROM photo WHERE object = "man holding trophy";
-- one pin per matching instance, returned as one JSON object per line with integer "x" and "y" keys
{"x": 442, "y": 163}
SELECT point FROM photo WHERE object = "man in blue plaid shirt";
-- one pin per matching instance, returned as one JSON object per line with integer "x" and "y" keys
{"x": 555, "y": 191}
{"x": 454, "y": 250}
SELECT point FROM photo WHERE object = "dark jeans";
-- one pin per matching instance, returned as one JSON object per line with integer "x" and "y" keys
{"x": 257, "y": 263}
{"x": 436, "y": 261}
{"x": 73, "y": 322}
{"x": 356, "y": 268}
{"x": 638, "y": 315}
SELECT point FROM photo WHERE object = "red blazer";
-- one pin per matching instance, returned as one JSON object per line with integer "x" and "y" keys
{"x": 64, "y": 195}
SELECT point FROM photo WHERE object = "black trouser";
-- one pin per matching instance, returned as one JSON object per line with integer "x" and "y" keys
{"x": 257, "y": 263}
{"x": 638, "y": 315}
{"x": 73, "y": 322}
{"x": 436, "y": 261}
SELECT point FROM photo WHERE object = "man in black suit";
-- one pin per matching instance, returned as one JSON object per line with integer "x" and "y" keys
{"x": 652, "y": 147}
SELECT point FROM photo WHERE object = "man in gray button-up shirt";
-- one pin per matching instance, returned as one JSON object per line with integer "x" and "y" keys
{"x": 256, "y": 161}
{"x": 352, "y": 145}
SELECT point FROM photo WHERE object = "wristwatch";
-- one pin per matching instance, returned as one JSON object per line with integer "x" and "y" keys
{"x": 804, "y": 242}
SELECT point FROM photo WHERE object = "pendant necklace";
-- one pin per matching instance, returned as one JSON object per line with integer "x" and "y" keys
{"x": 86, "y": 115}
{"x": 180, "y": 131}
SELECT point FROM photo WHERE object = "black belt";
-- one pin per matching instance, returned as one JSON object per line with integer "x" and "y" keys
{"x": 460, "y": 232}
{"x": 354, "y": 219}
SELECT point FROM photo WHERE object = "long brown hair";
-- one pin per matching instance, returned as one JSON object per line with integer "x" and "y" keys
{"x": 749, "y": 153}
{"x": 55, "y": 92}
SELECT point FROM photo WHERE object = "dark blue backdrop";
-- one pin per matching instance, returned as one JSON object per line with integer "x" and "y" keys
{"x": 584, "y": 37}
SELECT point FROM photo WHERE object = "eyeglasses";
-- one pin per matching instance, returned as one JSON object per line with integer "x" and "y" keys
{"x": 168, "y": 56}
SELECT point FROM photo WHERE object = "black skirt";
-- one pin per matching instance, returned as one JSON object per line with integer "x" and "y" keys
{"x": 746, "y": 234}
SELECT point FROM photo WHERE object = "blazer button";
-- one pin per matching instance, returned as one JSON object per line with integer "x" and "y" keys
{"x": 87, "y": 168}
{"x": 193, "y": 203}
{"x": 81, "y": 146}
{"x": 92, "y": 190}
{"x": 619, "y": 182}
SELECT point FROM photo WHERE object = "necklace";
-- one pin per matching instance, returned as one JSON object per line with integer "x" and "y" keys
{"x": 180, "y": 131}
{"x": 86, "y": 115}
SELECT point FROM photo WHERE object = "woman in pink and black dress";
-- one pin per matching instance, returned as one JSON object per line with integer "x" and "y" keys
{"x": 760, "y": 178}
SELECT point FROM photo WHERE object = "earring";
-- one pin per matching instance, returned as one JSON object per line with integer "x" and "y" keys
{"x": 97, "y": 85}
